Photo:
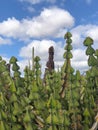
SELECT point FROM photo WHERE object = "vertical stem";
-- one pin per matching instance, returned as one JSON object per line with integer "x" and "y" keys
{"x": 33, "y": 58}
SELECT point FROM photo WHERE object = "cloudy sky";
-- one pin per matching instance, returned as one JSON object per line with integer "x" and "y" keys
{"x": 42, "y": 23}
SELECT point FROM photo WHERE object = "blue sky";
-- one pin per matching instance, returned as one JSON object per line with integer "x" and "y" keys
{"x": 42, "y": 23}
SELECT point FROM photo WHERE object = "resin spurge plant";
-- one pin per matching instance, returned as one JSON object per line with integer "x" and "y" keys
{"x": 66, "y": 81}
{"x": 90, "y": 92}
{"x": 17, "y": 91}
{"x": 67, "y": 55}
{"x": 71, "y": 90}
{"x": 96, "y": 77}
{"x": 65, "y": 101}
{"x": 51, "y": 90}
{"x": 54, "y": 116}
{"x": 36, "y": 93}
{"x": 8, "y": 99}
{"x": 4, "y": 84}
{"x": 16, "y": 73}
{"x": 33, "y": 85}
{"x": 74, "y": 102}
{"x": 92, "y": 73}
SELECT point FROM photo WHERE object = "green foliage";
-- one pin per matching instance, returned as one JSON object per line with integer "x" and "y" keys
{"x": 88, "y": 41}
{"x": 91, "y": 61}
{"x": 96, "y": 52}
{"x": 90, "y": 51}
{"x": 66, "y": 101}
{"x": 13, "y": 60}
{"x": 67, "y": 35}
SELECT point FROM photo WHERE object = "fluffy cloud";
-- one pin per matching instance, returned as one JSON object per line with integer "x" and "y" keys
{"x": 81, "y": 32}
{"x": 31, "y": 9}
{"x": 79, "y": 60}
{"x": 48, "y": 23}
{"x": 22, "y": 64}
{"x": 38, "y": 1}
{"x": 88, "y": 1}
{"x": 4, "y": 41}
{"x": 92, "y": 32}
{"x": 51, "y": 1}
{"x": 53, "y": 23}
{"x": 32, "y": 1}
{"x": 10, "y": 28}
{"x": 41, "y": 49}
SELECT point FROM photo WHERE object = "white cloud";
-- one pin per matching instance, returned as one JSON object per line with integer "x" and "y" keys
{"x": 31, "y": 9}
{"x": 4, "y": 41}
{"x": 32, "y": 1}
{"x": 61, "y": 33}
{"x": 10, "y": 28}
{"x": 79, "y": 60}
{"x": 6, "y": 59}
{"x": 81, "y": 32}
{"x": 88, "y": 1}
{"x": 48, "y": 23}
{"x": 94, "y": 15}
{"x": 39, "y": 46}
{"x": 92, "y": 32}
{"x": 51, "y": 1}
{"x": 38, "y": 1}
{"x": 41, "y": 49}
{"x": 22, "y": 64}
{"x": 76, "y": 39}
{"x": 82, "y": 66}
{"x": 52, "y": 22}
{"x": 78, "y": 55}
